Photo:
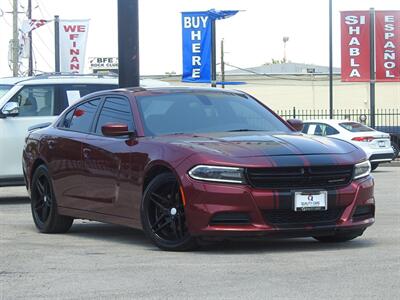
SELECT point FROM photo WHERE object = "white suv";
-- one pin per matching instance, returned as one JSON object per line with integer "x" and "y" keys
{"x": 25, "y": 102}
{"x": 29, "y": 101}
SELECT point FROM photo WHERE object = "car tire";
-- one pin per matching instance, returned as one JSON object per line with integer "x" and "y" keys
{"x": 374, "y": 166}
{"x": 163, "y": 215}
{"x": 396, "y": 150}
{"x": 339, "y": 237}
{"x": 44, "y": 205}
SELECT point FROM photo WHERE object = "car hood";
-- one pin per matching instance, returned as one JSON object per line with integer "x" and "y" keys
{"x": 253, "y": 144}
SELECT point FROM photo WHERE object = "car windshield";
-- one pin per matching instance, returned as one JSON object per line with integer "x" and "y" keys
{"x": 355, "y": 127}
{"x": 205, "y": 112}
{"x": 4, "y": 88}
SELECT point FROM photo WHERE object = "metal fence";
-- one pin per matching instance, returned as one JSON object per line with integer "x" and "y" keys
{"x": 383, "y": 117}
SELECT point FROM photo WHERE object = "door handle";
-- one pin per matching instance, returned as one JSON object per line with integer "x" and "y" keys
{"x": 86, "y": 153}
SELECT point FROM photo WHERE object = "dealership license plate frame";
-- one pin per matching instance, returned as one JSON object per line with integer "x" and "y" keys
{"x": 318, "y": 201}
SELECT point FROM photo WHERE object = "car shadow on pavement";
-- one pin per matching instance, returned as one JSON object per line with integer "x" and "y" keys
{"x": 136, "y": 237}
{"x": 14, "y": 200}
{"x": 282, "y": 245}
{"x": 107, "y": 232}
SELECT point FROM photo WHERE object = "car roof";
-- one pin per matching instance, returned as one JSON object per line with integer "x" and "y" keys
{"x": 143, "y": 90}
{"x": 12, "y": 80}
{"x": 329, "y": 121}
{"x": 56, "y": 78}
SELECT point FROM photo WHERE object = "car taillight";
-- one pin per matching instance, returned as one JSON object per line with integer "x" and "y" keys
{"x": 363, "y": 139}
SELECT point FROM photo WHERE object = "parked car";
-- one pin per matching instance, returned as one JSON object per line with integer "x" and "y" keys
{"x": 26, "y": 102}
{"x": 7, "y": 83}
{"x": 376, "y": 144}
{"x": 187, "y": 163}
{"x": 394, "y": 132}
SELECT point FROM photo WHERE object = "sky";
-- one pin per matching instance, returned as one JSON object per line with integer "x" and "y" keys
{"x": 252, "y": 37}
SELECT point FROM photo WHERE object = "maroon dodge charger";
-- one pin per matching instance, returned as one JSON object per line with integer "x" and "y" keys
{"x": 187, "y": 164}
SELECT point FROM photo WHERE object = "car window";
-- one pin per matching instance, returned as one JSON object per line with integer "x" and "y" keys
{"x": 70, "y": 93}
{"x": 83, "y": 116}
{"x": 195, "y": 112}
{"x": 4, "y": 88}
{"x": 115, "y": 110}
{"x": 355, "y": 127}
{"x": 66, "y": 122}
{"x": 305, "y": 128}
{"x": 324, "y": 130}
{"x": 35, "y": 101}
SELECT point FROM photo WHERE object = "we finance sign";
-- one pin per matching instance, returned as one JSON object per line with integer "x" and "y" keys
{"x": 196, "y": 37}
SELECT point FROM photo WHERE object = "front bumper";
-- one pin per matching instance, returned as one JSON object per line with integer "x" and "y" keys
{"x": 228, "y": 210}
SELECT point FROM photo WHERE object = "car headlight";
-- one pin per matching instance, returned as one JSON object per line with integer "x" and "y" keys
{"x": 362, "y": 169}
{"x": 218, "y": 174}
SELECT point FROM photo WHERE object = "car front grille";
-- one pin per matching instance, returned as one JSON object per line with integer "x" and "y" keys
{"x": 299, "y": 177}
{"x": 291, "y": 218}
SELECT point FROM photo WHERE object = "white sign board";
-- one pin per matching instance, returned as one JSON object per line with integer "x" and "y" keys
{"x": 73, "y": 37}
{"x": 103, "y": 63}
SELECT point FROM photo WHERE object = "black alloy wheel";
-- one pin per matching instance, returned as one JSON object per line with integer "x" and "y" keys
{"x": 44, "y": 205}
{"x": 163, "y": 214}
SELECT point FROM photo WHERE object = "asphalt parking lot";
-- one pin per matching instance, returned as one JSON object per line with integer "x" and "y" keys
{"x": 99, "y": 261}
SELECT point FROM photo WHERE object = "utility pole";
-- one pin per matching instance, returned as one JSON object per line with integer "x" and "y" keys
{"x": 30, "y": 62}
{"x": 330, "y": 62}
{"x": 15, "y": 43}
{"x": 128, "y": 43}
{"x": 57, "y": 43}
{"x": 372, "y": 68}
{"x": 213, "y": 55}
{"x": 222, "y": 64}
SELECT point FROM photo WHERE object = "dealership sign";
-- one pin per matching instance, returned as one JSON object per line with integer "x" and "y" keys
{"x": 73, "y": 37}
{"x": 356, "y": 45}
{"x": 196, "y": 34}
{"x": 387, "y": 45}
{"x": 197, "y": 43}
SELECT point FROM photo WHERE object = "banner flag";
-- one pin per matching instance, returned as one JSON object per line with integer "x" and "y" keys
{"x": 387, "y": 24}
{"x": 196, "y": 43}
{"x": 221, "y": 14}
{"x": 355, "y": 29}
{"x": 196, "y": 47}
{"x": 32, "y": 24}
{"x": 73, "y": 38}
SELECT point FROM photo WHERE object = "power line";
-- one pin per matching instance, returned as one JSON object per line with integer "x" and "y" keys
{"x": 44, "y": 59}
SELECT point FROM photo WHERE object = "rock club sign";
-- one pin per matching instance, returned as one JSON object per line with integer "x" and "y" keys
{"x": 356, "y": 34}
{"x": 73, "y": 37}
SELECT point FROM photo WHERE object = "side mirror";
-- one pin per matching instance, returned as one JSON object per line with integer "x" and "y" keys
{"x": 10, "y": 109}
{"x": 296, "y": 124}
{"x": 115, "y": 129}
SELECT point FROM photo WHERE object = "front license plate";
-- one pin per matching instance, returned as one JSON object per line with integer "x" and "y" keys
{"x": 310, "y": 201}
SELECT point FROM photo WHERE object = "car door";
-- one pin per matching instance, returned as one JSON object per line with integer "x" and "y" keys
{"x": 107, "y": 161}
{"x": 65, "y": 162}
{"x": 36, "y": 105}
